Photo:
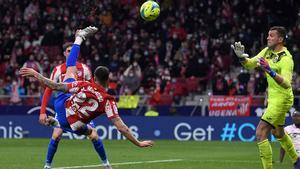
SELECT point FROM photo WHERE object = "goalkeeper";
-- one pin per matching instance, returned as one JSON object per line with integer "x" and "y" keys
{"x": 277, "y": 62}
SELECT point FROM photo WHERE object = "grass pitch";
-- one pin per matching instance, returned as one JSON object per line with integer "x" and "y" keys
{"x": 30, "y": 154}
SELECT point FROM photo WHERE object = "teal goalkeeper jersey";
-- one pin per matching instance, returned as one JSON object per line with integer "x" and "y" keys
{"x": 282, "y": 63}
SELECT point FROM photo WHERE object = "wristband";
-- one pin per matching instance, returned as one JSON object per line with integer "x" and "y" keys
{"x": 272, "y": 73}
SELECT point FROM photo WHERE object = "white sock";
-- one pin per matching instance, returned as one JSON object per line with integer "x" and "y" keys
{"x": 78, "y": 40}
{"x": 48, "y": 164}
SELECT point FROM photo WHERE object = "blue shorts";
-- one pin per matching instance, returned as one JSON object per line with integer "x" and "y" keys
{"x": 59, "y": 106}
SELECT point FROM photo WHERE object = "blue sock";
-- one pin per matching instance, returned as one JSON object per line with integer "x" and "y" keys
{"x": 71, "y": 61}
{"x": 51, "y": 150}
{"x": 100, "y": 150}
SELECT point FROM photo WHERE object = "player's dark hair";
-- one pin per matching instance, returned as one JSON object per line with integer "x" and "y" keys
{"x": 280, "y": 30}
{"x": 101, "y": 74}
{"x": 66, "y": 45}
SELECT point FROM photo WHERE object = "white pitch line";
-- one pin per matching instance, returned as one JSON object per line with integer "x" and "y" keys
{"x": 123, "y": 163}
{"x": 233, "y": 161}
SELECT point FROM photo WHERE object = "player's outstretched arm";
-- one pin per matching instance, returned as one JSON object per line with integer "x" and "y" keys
{"x": 118, "y": 122}
{"x": 239, "y": 50}
{"x": 28, "y": 72}
{"x": 80, "y": 36}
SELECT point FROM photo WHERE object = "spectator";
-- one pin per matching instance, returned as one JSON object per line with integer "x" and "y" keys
{"x": 192, "y": 41}
{"x": 132, "y": 78}
{"x": 220, "y": 86}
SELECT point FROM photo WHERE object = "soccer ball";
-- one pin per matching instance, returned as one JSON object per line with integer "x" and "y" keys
{"x": 149, "y": 10}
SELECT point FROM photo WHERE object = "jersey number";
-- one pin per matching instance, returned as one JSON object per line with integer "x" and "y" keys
{"x": 83, "y": 109}
{"x": 91, "y": 108}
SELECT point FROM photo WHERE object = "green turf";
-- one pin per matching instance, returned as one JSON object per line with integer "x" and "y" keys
{"x": 30, "y": 154}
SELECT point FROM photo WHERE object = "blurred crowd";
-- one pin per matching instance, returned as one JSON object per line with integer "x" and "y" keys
{"x": 185, "y": 51}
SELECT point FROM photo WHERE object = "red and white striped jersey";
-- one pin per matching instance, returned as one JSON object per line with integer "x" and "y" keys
{"x": 83, "y": 73}
{"x": 88, "y": 101}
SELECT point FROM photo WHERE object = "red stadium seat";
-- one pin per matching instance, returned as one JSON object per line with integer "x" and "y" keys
{"x": 165, "y": 99}
{"x": 192, "y": 84}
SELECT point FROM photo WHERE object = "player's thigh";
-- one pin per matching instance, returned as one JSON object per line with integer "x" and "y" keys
{"x": 57, "y": 133}
{"x": 71, "y": 72}
{"x": 275, "y": 114}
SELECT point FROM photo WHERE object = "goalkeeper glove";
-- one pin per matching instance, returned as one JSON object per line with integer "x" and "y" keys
{"x": 239, "y": 50}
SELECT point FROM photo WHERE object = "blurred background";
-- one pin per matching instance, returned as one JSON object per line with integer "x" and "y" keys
{"x": 179, "y": 67}
{"x": 176, "y": 64}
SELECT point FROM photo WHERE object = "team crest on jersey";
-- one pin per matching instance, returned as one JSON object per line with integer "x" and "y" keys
{"x": 276, "y": 59}
{"x": 79, "y": 73}
{"x": 278, "y": 56}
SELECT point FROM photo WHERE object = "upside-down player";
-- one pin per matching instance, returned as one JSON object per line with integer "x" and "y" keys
{"x": 277, "y": 63}
{"x": 293, "y": 131}
{"x": 80, "y": 102}
{"x": 57, "y": 75}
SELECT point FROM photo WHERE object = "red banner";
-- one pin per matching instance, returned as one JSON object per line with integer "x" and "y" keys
{"x": 229, "y": 105}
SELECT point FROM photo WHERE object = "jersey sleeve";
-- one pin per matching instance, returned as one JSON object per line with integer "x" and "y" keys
{"x": 74, "y": 87}
{"x": 251, "y": 63}
{"x": 111, "y": 109}
{"x": 47, "y": 93}
{"x": 45, "y": 100}
{"x": 287, "y": 66}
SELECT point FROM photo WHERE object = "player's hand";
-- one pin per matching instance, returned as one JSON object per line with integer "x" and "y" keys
{"x": 263, "y": 63}
{"x": 24, "y": 71}
{"x": 42, "y": 118}
{"x": 239, "y": 50}
{"x": 146, "y": 143}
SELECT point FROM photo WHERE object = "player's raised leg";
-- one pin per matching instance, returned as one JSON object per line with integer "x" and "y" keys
{"x": 80, "y": 36}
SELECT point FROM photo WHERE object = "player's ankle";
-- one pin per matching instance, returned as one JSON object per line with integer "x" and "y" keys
{"x": 105, "y": 162}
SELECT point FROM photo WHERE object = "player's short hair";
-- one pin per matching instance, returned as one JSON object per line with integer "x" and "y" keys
{"x": 101, "y": 73}
{"x": 66, "y": 45}
{"x": 281, "y": 31}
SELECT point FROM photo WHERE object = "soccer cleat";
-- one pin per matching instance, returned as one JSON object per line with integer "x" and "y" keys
{"x": 107, "y": 166}
{"x": 47, "y": 167}
{"x": 297, "y": 164}
{"x": 86, "y": 32}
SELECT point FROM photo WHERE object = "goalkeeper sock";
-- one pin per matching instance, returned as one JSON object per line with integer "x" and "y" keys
{"x": 287, "y": 145}
{"x": 98, "y": 145}
{"x": 52, "y": 147}
{"x": 265, "y": 151}
{"x": 71, "y": 61}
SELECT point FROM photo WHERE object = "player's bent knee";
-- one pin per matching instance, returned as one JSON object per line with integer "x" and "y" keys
{"x": 278, "y": 134}
{"x": 260, "y": 135}
{"x": 93, "y": 136}
{"x": 57, "y": 134}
